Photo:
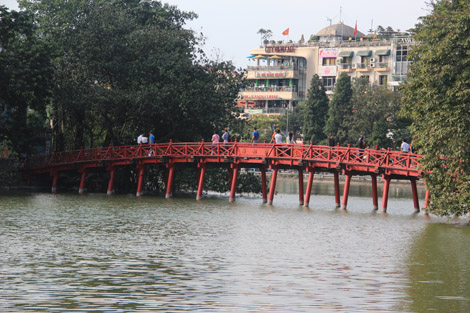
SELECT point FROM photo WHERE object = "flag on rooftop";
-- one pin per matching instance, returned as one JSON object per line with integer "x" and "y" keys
{"x": 286, "y": 32}
{"x": 355, "y": 30}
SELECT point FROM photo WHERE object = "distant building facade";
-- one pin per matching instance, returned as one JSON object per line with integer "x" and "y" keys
{"x": 282, "y": 72}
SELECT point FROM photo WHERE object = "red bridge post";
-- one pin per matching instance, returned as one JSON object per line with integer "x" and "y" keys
{"x": 385, "y": 192}
{"x": 82, "y": 188}
{"x": 311, "y": 174}
{"x": 427, "y": 200}
{"x": 301, "y": 186}
{"x": 200, "y": 185}
{"x": 375, "y": 201}
{"x": 347, "y": 183}
{"x": 263, "y": 184}
{"x": 415, "y": 194}
{"x": 272, "y": 187}
{"x": 112, "y": 171}
{"x": 336, "y": 179}
{"x": 171, "y": 173}
{"x": 55, "y": 180}
{"x": 140, "y": 180}
{"x": 233, "y": 185}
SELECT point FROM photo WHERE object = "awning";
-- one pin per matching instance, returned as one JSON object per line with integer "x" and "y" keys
{"x": 346, "y": 54}
{"x": 275, "y": 57}
{"x": 259, "y": 56}
{"x": 250, "y": 57}
{"x": 364, "y": 53}
{"x": 382, "y": 52}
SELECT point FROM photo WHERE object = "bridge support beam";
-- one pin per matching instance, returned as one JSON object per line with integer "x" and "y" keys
{"x": 415, "y": 194}
{"x": 140, "y": 180}
{"x": 272, "y": 187}
{"x": 169, "y": 183}
{"x": 233, "y": 185}
{"x": 336, "y": 179}
{"x": 82, "y": 188}
{"x": 375, "y": 201}
{"x": 427, "y": 200}
{"x": 263, "y": 184}
{"x": 311, "y": 174}
{"x": 385, "y": 193}
{"x": 112, "y": 172}
{"x": 301, "y": 186}
{"x": 55, "y": 180}
{"x": 200, "y": 184}
{"x": 347, "y": 183}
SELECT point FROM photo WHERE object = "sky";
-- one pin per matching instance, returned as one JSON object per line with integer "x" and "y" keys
{"x": 230, "y": 26}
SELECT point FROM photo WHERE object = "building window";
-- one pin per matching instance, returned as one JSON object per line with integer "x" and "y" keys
{"x": 402, "y": 53}
{"x": 329, "y": 82}
{"x": 329, "y": 61}
{"x": 383, "y": 80}
{"x": 382, "y": 58}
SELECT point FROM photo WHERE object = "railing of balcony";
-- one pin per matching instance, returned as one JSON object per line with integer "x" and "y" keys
{"x": 382, "y": 65}
{"x": 345, "y": 66}
{"x": 273, "y": 68}
{"x": 362, "y": 65}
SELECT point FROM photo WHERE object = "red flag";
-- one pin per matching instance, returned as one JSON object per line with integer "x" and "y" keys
{"x": 286, "y": 32}
{"x": 355, "y": 30}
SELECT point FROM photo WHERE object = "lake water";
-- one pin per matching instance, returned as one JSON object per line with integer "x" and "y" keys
{"x": 98, "y": 253}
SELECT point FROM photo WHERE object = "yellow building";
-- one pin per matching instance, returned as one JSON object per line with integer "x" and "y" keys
{"x": 279, "y": 74}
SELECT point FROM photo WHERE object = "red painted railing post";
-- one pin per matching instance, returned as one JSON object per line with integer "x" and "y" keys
{"x": 415, "y": 194}
{"x": 375, "y": 201}
{"x": 272, "y": 187}
{"x": 387, "y": 179}
{"x": 308, "y": 191}
{"x": 301, "y": 186}
{"x": 336, "y": 180}
{"x": 233, "y": 185}
{"x": 263, "y": 184}
{"x": 346, "y": 189}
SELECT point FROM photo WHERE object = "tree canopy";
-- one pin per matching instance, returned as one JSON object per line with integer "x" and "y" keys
{"x": 315, "y": 112}
{"x": 437, "y": 97}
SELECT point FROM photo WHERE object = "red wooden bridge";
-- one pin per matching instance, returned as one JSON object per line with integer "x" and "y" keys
{"x": 348, "y": 161}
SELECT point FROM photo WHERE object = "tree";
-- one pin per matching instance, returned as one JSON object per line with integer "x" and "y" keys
{"x": 126, "y": 67}
{"x": 436, "y": 97}
{"x": 265, "y": 34}
{"x": 25, "y": 77}
{"x": 315, "y": 113}
{"x": 340, "y": 108}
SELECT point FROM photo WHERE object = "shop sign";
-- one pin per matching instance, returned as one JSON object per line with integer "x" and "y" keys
{"x": 260, "y": 97}
{"x": 270, "y": 74}
{"x": 328, "y": 53}
{"x": 279, "y": 49}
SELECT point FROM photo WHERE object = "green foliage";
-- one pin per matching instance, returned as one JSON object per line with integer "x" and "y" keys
{"x": 437, "y": 97}
{"x": 315, "y": 113}
{"x": 127, "y": 67}
{"x": 25, "y": 76}
{"x": 340, "y": 108}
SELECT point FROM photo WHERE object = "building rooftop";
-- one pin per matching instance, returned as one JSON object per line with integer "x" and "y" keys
{"x": 339, "y": 30}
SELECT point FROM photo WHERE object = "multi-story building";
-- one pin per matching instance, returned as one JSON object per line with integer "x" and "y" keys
{"x": 282, "y": 72}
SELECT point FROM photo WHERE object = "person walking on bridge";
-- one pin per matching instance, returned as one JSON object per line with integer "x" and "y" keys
{"x": 405, "y": 146}
{"x": 255, "y": 136}
{"x": 226, "y": 136}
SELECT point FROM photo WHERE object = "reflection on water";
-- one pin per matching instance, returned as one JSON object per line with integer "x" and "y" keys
{"x": 121, "y": 253}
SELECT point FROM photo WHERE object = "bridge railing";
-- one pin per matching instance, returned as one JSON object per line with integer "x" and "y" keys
{"x": 297, "y": 152}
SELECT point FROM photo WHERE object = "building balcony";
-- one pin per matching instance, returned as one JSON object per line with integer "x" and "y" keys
{"x": 273, "y": 68}
{"x": 270, "y": 73}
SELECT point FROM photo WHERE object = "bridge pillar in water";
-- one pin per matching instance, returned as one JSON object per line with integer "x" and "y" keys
{"x": 375, "y": 201}
{"x": 385, "y": 192}
{"x": 414, "y": 189}
{"x": 200, "y": 184}
{"x": 233, "y": 184}
{"x": 427, "y": 199}
{"x": 301, "y": 186}
{"x": 308, "y": 191}
{"x": 112, "y": 172}
{"x": 272, "y": 187}
{"x": 336, "y": 180}
{"x": 263, "y": 184}
{"x": 55, "y": 180}
{"x": 169, "y": 183}
{"x": 347, "y": 183}
{"x": 140, "y": 180}
{"x": 82, "y": 188}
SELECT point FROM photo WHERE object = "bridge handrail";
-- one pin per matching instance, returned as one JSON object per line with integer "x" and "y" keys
{"x": 298, "y": 152}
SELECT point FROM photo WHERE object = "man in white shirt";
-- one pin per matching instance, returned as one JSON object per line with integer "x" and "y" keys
{"x": 405, "y": 147}
{"x": 140, "y": 138}
{"x": 278, "y": 137}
